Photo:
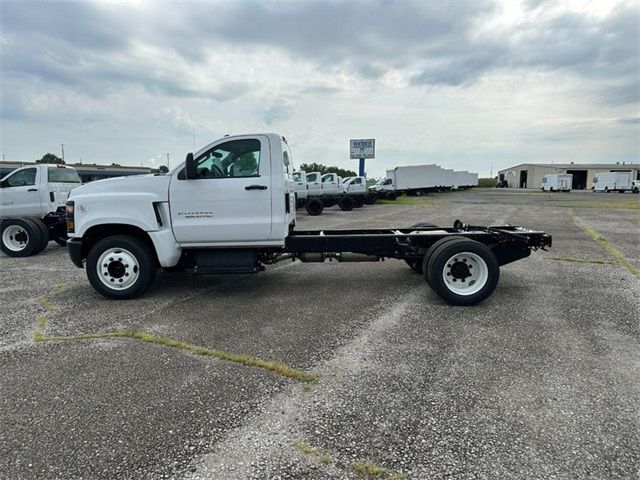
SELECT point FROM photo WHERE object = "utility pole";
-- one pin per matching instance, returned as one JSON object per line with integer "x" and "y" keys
{"x": 62, "y": 146}
{"x": 168, "y": 162}
{"x": 193, "y": 131}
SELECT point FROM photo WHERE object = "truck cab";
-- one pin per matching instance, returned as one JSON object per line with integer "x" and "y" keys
{"x": 300, "y": 179}
{"x": 32, "y": 208}
{"x": 314, "y": 184}
{"x": 383, "y": 185}
{"x": 330, "y": 184}
{"x": 36, "y": 190}
{"x": 355, "y": 186}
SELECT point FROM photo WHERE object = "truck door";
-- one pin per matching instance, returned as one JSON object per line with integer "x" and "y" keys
{"x": 230, "y": 200}
{"x": 19, "y": 194}
{"x": 314, "y": 185}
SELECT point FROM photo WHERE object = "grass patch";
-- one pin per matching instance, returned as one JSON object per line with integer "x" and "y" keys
{"x": 370, "y": 469}
{"x": 605, "y": 244}
{"x": 627, "y": 204}
{"x": 277, "y": 367}
{"x": 404, "y": 200}
{"x": 580, "y": 260}
{"x": 309, "y": 450}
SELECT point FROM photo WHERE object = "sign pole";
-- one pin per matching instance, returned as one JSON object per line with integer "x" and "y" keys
{"x": 361, "y": 167}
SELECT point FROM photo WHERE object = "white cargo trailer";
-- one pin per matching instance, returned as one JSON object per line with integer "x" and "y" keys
{"x": 559, "y": 182}
{"x": 612, "y": 181}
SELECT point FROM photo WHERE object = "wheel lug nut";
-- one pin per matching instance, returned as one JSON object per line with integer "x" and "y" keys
{"x": 126, "y": 274}
{"x": 448, "y": 274}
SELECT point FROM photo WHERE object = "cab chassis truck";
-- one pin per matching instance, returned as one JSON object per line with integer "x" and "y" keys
{"x": 122, "y": 230}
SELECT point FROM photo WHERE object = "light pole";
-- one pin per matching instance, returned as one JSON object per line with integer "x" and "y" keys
{"x": 168, "y": 168}
{"x": 62, "y": 146}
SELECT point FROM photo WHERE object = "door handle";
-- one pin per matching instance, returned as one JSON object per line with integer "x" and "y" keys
{"x": 32, "y": 190}
{"x": 256, "y": 187}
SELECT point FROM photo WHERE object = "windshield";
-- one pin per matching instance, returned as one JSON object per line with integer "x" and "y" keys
{"x": 63, "y": 175}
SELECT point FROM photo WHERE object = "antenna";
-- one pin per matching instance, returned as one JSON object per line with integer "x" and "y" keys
{"x": 193, "y": 131}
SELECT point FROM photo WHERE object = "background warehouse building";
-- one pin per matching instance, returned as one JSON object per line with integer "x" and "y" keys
{"x": 87, "y": 172}
{"x": 529, "y": 175}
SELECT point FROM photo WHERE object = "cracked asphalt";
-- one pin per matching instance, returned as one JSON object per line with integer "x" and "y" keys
{"x": 542, "y": 380}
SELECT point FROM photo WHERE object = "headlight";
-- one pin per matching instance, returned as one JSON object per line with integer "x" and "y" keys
{"x": 71, "y": 225}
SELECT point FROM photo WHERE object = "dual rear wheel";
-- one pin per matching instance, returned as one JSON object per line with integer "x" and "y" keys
{"x": 460, "y": 270}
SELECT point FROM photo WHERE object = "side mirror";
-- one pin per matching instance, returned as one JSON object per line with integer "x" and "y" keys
{"x": 4, "y": 184}
{"x": 190, "y": 168}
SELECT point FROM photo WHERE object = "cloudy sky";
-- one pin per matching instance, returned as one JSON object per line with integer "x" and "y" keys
{"x": 469, "y": 85}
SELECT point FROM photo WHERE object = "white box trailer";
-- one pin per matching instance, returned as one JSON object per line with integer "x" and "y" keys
{"x": 559, "y": 182}
{"x": 420, "y": 179}
{"x": 608, "y": 182}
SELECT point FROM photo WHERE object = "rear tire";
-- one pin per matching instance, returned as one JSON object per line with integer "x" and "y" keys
{"x": 463, "y": 272}
{"x": 314, "y": 207}
{"x": 346, "y": 204}
{"x": 121, "y": 267}
{"x": 44, "y": 234}
{"x": 392, "y": 196}
{"x": 19, "y": 237}
{"x": 636, "y": 190}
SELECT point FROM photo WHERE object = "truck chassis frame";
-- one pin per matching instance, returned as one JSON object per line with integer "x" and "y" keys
{"x": 445, "y": 256}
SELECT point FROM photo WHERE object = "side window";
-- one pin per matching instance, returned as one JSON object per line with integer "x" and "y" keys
{"x": 287, "y": 165}
{"x": 23, "y": 178}
{"x": 358, "y": 181}
{"x": 236, "y": 158}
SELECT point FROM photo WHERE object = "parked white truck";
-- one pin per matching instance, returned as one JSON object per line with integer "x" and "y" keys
{"x": 32, "y": 208}
{"x": 204, "y": 217}
{"x": 612, "y": 182}
{"x": 418, "y": 180}
{"x": 557, "y": 182}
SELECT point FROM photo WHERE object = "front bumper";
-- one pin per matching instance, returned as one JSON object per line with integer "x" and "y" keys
{"x": 74, "y": 247}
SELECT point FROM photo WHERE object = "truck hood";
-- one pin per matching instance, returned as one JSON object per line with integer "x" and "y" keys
{"x": 155, "y": 185}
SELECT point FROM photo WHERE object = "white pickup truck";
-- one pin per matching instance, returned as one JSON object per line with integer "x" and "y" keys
{"x": 32, "y": 208}
{"x": 230, "y": 208}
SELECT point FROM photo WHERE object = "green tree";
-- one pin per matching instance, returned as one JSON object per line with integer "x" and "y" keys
{"x": 318, "y": 167}
{"x": 50, "y": 158}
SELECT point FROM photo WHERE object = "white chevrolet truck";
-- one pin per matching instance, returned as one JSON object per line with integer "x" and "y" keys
{"x": 32, "y": 208}
{"x": 230, "y": 209}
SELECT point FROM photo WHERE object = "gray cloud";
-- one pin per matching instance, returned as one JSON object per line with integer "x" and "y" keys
{"x": 70, "y": 43}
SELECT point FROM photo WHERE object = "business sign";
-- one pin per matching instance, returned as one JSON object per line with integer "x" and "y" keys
{"x": 363, "y": 148}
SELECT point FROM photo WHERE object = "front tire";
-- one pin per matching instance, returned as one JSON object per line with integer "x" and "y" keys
{"x": 346, "y": 204}
{"x": 314, "y": 207}
{"x": 121, "y": 267}
{"x": 463, "y": 272}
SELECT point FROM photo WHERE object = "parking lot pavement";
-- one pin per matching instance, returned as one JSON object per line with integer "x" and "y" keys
{"x": 541, "y": 380}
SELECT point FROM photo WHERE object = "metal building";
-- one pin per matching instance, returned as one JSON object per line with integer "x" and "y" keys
{"x": 88, "y": 172}
{"x": 529, "y": 175}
